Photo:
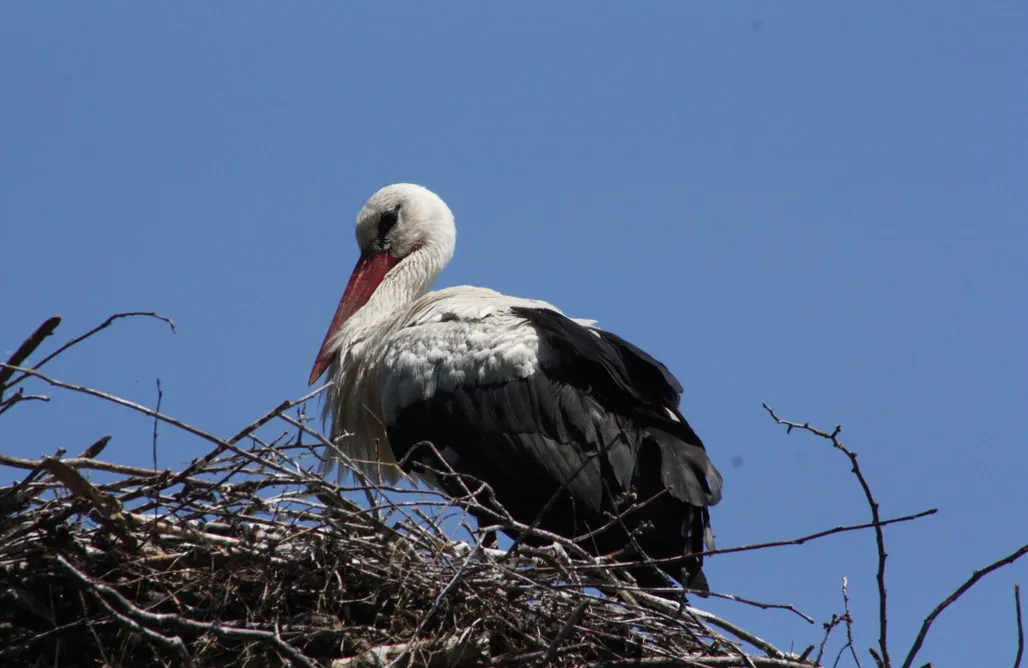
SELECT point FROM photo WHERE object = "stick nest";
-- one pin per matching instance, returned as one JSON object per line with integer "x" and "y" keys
{"x": 247, "y": 556}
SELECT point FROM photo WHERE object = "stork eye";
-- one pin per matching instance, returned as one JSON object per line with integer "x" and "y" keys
{"x": 387, "y": 221}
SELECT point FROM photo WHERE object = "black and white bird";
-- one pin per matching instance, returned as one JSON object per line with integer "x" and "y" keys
{"x": 514, "y": 393}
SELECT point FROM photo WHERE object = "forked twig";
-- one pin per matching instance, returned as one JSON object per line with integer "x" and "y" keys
{"x": 833, "y": 437}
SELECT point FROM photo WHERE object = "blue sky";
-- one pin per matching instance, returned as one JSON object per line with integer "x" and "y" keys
{"x": 814, "y": 205}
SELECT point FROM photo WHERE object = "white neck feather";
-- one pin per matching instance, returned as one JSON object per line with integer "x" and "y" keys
{"x": 404, "y": 284}
{"x": 357, "y": 430}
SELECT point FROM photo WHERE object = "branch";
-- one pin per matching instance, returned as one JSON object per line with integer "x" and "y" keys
{"x": 86, "y": 462}
{"x": 763, "y": 606}
{"x": 222, "y": 444}
{"x": 829, "y": 626}
{"x": 551, "y": 651}
{"x": 975, "y": 577}
{"x": 203, "y": 627}
{"x": 848, "y": 618}
{"x": 781, "y": 543}
{"x": 79, "y": 339}
{"x": 448, "y": 652}
{"x": 883, "y": 621}
{"x": 19, "y": 397}
{"x": 1020, "y": 625}
{"x": 28, "y": 347}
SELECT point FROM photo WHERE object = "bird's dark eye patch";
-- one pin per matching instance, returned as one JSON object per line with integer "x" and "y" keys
{"x": 387, "y": 221}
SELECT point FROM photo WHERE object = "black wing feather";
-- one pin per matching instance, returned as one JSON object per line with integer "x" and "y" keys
{"x": 586, "y": 428}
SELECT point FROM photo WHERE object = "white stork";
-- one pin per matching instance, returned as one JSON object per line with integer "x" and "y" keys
{"x": 511, "y": 392}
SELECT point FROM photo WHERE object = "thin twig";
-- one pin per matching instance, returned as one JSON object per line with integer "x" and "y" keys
{"x": 27, "y": 347}
{"x": 156, "y": 422}
{"x": 791, "y": 541}
{"x": 174, "y": 642}
{"x": 86, "y": 462}
{"x": 79, "y": 339}
{"x": 764, "y": 606}
{"x": 576, "y": 614}
{"x": 18, "y": 397}
{"x": 960, "y": 591}
{"x": 829, "y": 626}
{"x": 833, "y": 436}
{"x": 848, "y": 618}
{"x": 168, "y": 618}
{"x": 1020, "y": 625}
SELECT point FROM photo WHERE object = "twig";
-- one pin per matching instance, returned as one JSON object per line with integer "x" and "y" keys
{"x": 96, "y": 448}
{"x": 792, "y": 541}
{"x": 1020, "y": 625}
{"x": 174, "y": 642}
{"x": 448, "y": 652}
{"x": 829, "y": 626}
{"x": 960, "y": 591}
{"x": 222, "y": 444}
{"x": 165, "y": 618}
{"x": 848, "y": 618}
{"x": 576, "y": 614}
{"x": 157, "y": 410}
{"x": 156, "y": 422}
{"x": 79, "y": 339}
{"x": 883, "y": 618}
{"x": 278, "y": 411}
{"x": 764, "y": 606}
{"x": 18, "y": 397}
{"x": 27, "y": 347}
{"x": 117, "y": 400}
{"x": 85, "y": 462}
{"x": 670, "y": 607}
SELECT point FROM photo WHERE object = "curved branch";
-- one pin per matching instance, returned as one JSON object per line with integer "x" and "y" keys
{"x": 961, "y": 590}
{"x": 883, "y": 620}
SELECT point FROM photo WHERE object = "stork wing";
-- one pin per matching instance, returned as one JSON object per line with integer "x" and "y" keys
{"x": 554, "y": 415}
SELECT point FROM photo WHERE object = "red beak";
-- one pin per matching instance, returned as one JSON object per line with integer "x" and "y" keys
{"x": 370, "y": 270}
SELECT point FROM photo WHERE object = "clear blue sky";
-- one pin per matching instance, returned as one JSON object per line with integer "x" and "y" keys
{"x": 817, "y": 206}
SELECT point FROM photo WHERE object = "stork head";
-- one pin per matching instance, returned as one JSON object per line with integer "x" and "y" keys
{"x": 400, "y": 222}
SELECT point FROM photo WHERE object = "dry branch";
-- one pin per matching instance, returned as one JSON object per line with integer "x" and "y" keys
{"x": 960, "y": 591}
{"x": 1020, "y": 625}
{"x": 883, "y": 608}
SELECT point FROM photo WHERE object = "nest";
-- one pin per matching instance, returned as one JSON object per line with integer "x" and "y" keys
{"x": 249, "y": 556}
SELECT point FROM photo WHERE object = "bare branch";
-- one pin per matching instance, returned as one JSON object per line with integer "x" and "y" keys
{"x": 103, "y": 591}
{"x": 848, "y": 618}
{"x": 79, "y": 339}
{"x": 19, "y": 397}
{"x": 783, "y": 543}
{"x": 764, "y": 606}
{"x": 576, "y": 614}
{"x": 27, "y": 347}
{"x": 1020, "y": 625}
{"x": 960, "y": 591}
{"x": 833, "y": 436}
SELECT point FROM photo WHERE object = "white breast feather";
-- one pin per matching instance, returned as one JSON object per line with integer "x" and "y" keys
{"x": 459, "y": 336}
